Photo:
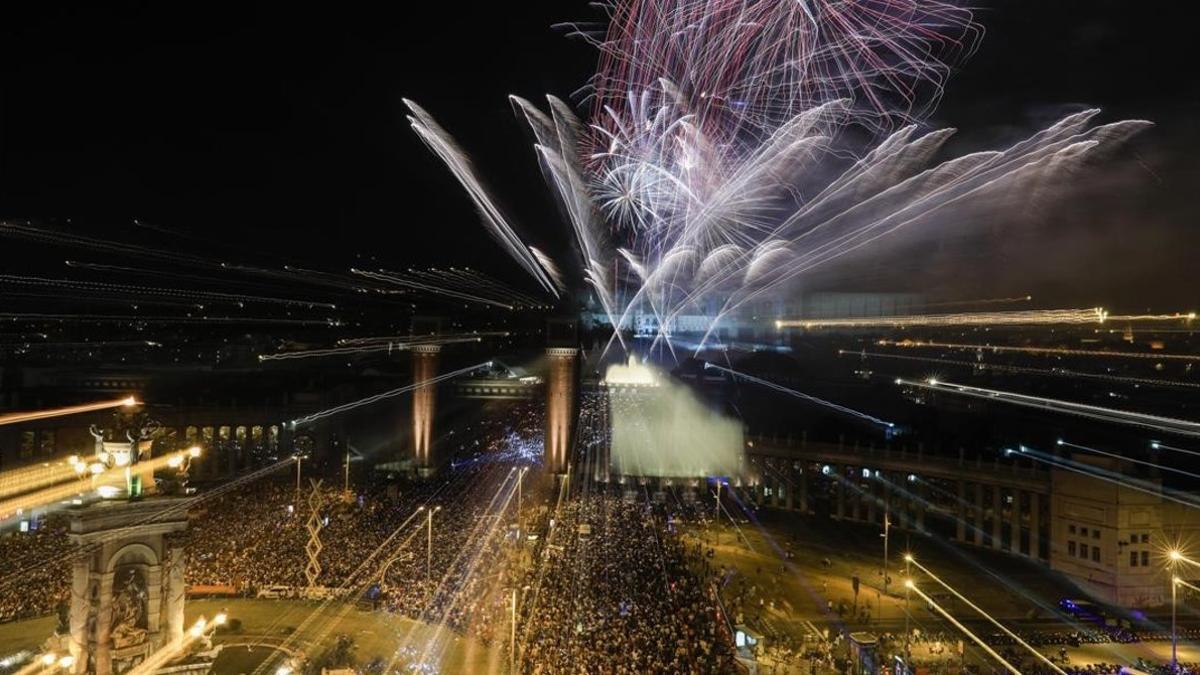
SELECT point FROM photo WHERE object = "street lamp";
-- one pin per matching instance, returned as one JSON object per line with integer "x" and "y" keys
{"x": 299, "y": 459}
{"x": 429, "y": 540}
{"x": 908, "y": 559}
{"x": 1174, "y": 643}
{"x": 512, "y": 639}
{"x": 887, "y": 526}
{"x": 520, "y": 480}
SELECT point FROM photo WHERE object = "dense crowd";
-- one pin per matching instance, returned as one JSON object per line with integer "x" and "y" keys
{"x": 628, "y": 596}
{"x": 34, "y": 571}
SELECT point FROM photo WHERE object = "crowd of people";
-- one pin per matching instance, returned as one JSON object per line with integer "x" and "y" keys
{"x": 618, "y": 592}
{"x": 35, "y": 573}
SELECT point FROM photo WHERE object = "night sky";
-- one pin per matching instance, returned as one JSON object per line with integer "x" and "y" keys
{"x": 280, "y": 130}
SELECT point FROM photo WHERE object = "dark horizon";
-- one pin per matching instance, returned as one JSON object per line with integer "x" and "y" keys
{"x": 285, "y": 132}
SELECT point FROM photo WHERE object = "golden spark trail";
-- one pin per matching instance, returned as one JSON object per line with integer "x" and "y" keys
{"x": 1165, "y": 424}
{"x": 1064, "y": 351}
{"x": 32, "y": 415}
{"x": 1036, "y": 317}
{"x": 111, "y": 476}
{"x": 1001, "y": 368}
{"x": 46, "y": 473}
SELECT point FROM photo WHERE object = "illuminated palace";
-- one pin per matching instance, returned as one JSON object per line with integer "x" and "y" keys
{"x": 1110, "y": 540}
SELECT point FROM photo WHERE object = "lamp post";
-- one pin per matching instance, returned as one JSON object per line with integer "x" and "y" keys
{"x": 907, "y": 632}
{"x": 1174, "y": 643}
{"x": 520, "y": 481}
{"x": 429, "y": 540}
{"x": 887, "y": 526}
{"x": 299, "y": 459}
{"x": 512, "y": 637}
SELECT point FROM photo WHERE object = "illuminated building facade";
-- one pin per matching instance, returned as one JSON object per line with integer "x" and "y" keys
{"x": 1110, "y": 541}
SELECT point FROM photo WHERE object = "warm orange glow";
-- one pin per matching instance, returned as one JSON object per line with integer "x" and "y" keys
{"x": 101, "y": 477}
{"x": 560, "y": 407}
{"x": 32, "y": 415}
{"x": 425, "y": 367}
{"x": 29, "y": 478}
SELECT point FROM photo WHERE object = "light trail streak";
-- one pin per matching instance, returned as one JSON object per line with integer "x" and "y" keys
{"x": 1033, "y": 317}
{"x": 352, "y": 586}
{"x": 392, "y": 278}
{"x": 99, "y": 344}
{"x": 484, "y": 530}
{"x": 1123, "y": 458}
{"x": 33, "y": 415}
{"x": 126, "y": 289}
{"x": 1158, "y": 491}
{"x": 982, "y": 301}
{"x": 807, "y": 397}
{"x": 133, "y": 318}
{"x": 1156, "y": 445}
{"x": 460, "y": 165}
{"x": 1063, "y": 351}
{"x": 388, "y": 347}
{"x": 912, "y": 561}
{"x": 345, "y": 589}
{"x": 418, "y": 339}
{"x": 974, "y": 638}
{"x": 1051, "y": 372}
{"x": 17, "y": 481}
{"x": 309, "y": 419}
{"x": 1159, "y": 423}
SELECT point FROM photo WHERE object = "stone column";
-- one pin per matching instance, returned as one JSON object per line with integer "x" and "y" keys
{"x": 560, "y": 407}
{"x": 425, "y": 367}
